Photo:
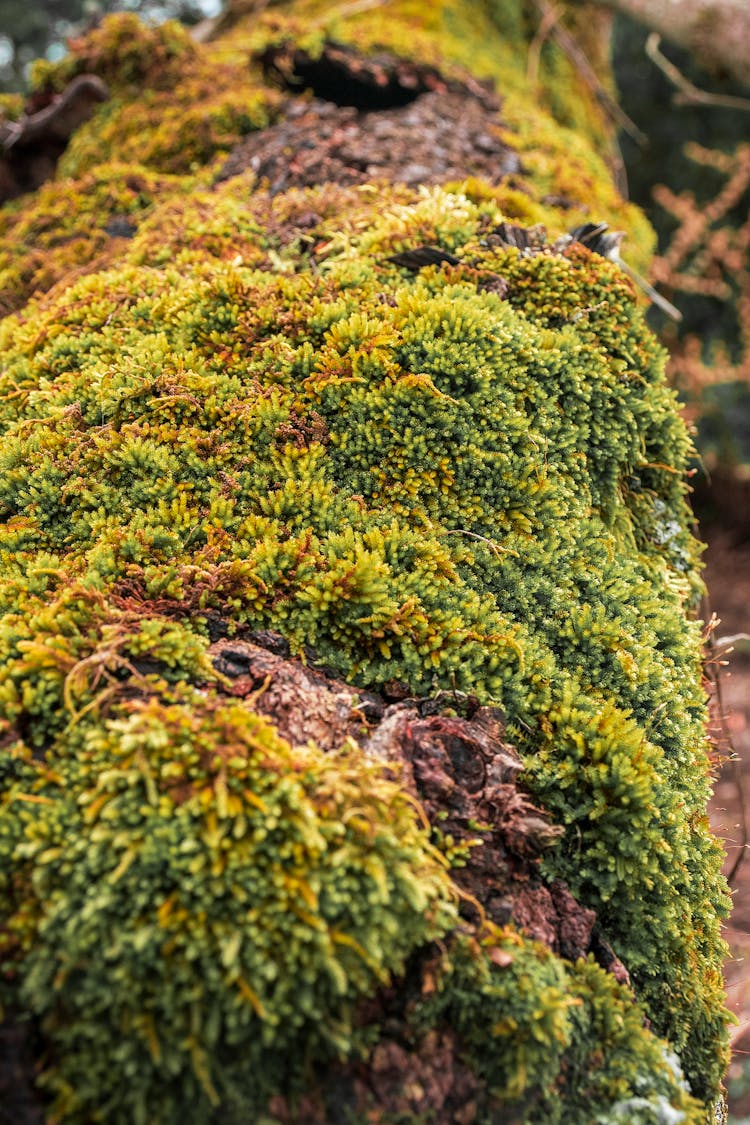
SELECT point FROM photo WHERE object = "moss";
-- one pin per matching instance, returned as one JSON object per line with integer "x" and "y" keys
{"x": 176, "y": 106}
{"x": 247, "y": 409}
{"x": 173, "y": 104}
{"x": 596, "y": 1066}
{"x": 561, "y": 131}
{"x": 11, "y": 106}
{"x": 190, "y": 881}
{"x": 123, "y": 52}
{"x": 67, "y": 233}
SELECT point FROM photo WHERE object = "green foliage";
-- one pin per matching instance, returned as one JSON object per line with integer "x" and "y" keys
{"x": 63, "y": 233}
{"x": 248, "y": 410}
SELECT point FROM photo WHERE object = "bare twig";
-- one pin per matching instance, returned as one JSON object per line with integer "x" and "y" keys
{"x": 715, "y": 33}
{"x": 60, "y": 118}
{"x": 354, "y": 8}
{"x": 737, "y": 1032}
{"x": 725, "y": 643}
{"x": 656, "y": 298}
{"x": 482, "y": 539}
{"x": 689, "y": 94}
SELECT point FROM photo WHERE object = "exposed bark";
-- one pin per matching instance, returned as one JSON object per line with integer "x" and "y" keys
{"x": 31, "y": 146}
{"x": 459, "y": 768}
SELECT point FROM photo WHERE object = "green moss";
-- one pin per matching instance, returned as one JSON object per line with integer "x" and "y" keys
{"x": 176, "y": 107}
{"x": 579, "y": 1056}
{"x": 188, "y": 881}
{"x": 247, "y": 409}
{"x": 62, "y": 234}
{"x": 433, "y": 488}
{"x": 173, "y": 104}
{"x": 558, "y": 127}
{"x": 11, "y": 106}
{"x": 123, "y": 52}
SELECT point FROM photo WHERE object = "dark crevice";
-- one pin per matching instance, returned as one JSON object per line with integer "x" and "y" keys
{"x": 335, "y": 84}
{"x": 352, "y": 119}
{"x": 20, "y": 1101}
{"x": 346, "y": 78}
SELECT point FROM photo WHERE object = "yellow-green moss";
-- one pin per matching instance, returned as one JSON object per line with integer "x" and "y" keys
{"x": 11, "y": 106}
{"x": 173, "y": 104}
{"x": 205, "y": 902}
{"x": 64, "y": 233}
{"x": 176, "y": 106}
{"x": 247, "y": 409}
{"x": 559, "y": 127}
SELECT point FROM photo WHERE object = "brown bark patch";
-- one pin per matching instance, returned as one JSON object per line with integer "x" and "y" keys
{"x": 426, "y": 1081}
{"x": 303, "y": 703}
{"x": 440, "y": 136}
{"x": 459, "y": 766}
{"x": 31, "y": 147}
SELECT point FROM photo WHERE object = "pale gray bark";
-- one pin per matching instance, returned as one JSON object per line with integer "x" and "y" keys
{"x": 717, "y": 32}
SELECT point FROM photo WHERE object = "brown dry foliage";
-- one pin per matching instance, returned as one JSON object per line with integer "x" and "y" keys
{"x": 708, "y": 255}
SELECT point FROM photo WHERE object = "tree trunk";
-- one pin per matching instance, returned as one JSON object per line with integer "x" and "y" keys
{"x": 717, "y": 33}
{"x": 355, "y": 761}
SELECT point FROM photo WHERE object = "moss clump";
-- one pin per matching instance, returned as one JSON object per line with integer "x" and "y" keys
{"x": 558, "y": 128}
{"x": 186, "y": 882}
{"x": 174, "y": 104}
{"x": 596, "y": 1065}
{"x": 63, "y": 234}
{"x": 247, "y": 410}
{"x": 124, "y": 53}
{"x": 439, "y": 487}
{"x": 198, "y": 909}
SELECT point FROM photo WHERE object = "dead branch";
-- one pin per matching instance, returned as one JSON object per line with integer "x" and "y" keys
{"x": 713, "y": 667}
{"x": 58, "y": 120}
{"x": 31, "y": 146}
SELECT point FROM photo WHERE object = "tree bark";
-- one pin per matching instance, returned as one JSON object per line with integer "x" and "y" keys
{"x": 392, "y": 790}
{"x": 717, "y": 32}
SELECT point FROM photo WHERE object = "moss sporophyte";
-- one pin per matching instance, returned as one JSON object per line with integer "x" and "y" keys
{"x": 243, "y": 411}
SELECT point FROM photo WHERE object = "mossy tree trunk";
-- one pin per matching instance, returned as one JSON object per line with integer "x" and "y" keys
{"x": 354, "y": 754}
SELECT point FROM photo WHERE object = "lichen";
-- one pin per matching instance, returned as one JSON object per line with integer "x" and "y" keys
{"x": 247, "y": 412}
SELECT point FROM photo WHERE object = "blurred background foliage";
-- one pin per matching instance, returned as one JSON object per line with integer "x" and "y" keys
{"x": 692, "y": 176}
{"x": 32, "y": 30}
